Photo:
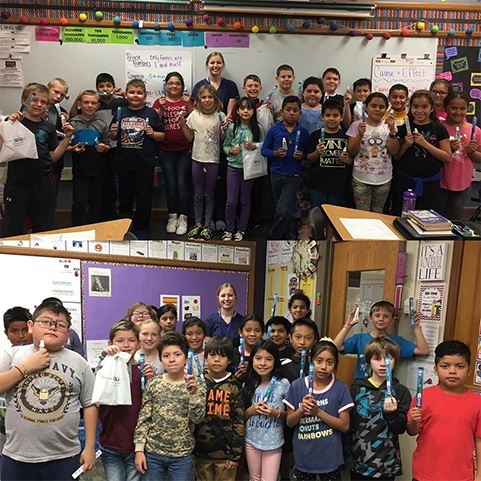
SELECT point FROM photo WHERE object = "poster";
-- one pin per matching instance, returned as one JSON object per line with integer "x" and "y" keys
{"x": 172, "y": 299}
{"x": 152, "y": 66}
{"x": 432, "y": 261}
{"x": 273, "y": 253}
{"x": 11, "y": 72}
{"x": 430, "y": 379}
{"x": 100, "y": 282}
{"x": 190, "y": 307}
{"x": 430, "y": 303}
{"x": 462, "y": 67}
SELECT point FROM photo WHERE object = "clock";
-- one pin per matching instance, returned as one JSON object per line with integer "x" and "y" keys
{"x": 304, "y": 258}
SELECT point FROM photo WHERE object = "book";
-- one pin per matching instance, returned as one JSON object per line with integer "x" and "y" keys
{"x": 421, "y": 231}
{"x": 429, "y": 220}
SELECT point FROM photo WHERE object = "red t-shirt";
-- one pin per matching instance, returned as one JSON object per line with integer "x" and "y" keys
{"x": 448, "y": 428}
{"x": 174, "y": 137}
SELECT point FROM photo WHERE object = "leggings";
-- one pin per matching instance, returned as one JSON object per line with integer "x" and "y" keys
{"x": 263, "y": 465}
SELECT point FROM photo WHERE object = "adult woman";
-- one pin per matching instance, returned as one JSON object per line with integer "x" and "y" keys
{"x": 227, "y": 90}
{"x": 440, "y": 89}
{"x": 226, "y": 321}
{"x": 175, "y": 159}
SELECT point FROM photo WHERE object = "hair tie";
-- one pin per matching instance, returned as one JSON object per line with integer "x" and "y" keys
{"x": 325, "y": 338}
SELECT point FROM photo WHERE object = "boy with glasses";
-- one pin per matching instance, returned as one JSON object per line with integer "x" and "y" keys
{"x": 46, "y": 387}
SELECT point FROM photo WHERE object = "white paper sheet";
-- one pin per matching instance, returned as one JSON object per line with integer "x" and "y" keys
{"x": 374, "y": 229}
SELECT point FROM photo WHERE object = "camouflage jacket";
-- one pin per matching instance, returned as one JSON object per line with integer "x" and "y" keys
{"x": 167, "y": 418}
{"x": 220, "y": 435}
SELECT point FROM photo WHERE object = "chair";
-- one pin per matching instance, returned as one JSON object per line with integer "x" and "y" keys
{"x": 317, "y": 219}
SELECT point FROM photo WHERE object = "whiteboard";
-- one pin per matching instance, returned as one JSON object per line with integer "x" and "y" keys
{"x": 27, "y": 280}
{"x": 415, "y": 73}
{"x": 309, "y": 55}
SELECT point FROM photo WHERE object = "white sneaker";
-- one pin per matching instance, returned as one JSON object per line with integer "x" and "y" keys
{"x": 171, "y": 224}
{"x": 238, "y": 236}
{"x": 227, "y": 236}
{"x": 181, "y": 225}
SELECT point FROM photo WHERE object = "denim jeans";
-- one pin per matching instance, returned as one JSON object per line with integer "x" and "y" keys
{"x": 319, "y": 197}
{"x": 159, "y": 468}
{"x": 119, "y": 466}
{"x": 177, "y": 168}
{"x": 284, "y": 189}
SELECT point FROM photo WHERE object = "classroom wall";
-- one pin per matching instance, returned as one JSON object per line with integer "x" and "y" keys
{"x": 79, "y": 63}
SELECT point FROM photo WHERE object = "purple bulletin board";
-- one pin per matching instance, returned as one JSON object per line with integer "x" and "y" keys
{"x": 130, "y": 283}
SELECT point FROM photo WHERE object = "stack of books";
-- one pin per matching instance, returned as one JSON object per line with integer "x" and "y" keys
{"x": 429, "y": 222}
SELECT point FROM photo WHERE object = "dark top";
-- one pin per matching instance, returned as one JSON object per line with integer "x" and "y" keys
{"x": 216, "y": 326}
{"x": 220, "y": 435}
{"x": 90, "y": 162}
{"x": 227, "y": 90}
{"x": 112, "y": 106}
{"x": 56, "y": 120}
{"x": 135, "y": 150}
{"x": 74, "y": 343}
{"x": 327, "y": 174}
{"x": 291, "y": 368}
{"x": 416, "y": 161}
{"x": 370, "y": 424}
{"x": 31, "y": 170}
{"x": 286, "y": 353}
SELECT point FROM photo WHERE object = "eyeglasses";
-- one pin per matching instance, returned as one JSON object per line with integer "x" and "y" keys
{"x": 438, "y": 92}
{"x": 141, "y": 313}
{"x": 47, "y": 323}
{"x": 172, "y": 84}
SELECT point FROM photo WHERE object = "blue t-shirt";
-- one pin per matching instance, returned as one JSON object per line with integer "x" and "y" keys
{"x": 287, "y": 165}
{"x": 311, "y": 120}
{"x": 227, "y": 90}
{"x": 356, "y": 344}
{"x": 216, "y": 326}
{"x": 265, "y": 432}
{"x": 318, "y": 446}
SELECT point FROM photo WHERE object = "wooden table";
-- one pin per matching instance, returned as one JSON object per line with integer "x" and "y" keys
{"x": 337, "y": 230}
{"x": 113, "y": 230}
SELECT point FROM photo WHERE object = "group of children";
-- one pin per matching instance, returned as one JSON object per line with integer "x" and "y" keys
{"x": 360, "y": 148}
{"x": 200, "y": 404}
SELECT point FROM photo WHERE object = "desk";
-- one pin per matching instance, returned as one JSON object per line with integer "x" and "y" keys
{"x": 113, "y": 230}
{"x": 336, "y": 227}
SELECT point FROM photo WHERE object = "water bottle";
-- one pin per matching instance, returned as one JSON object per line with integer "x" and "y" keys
{"x": 409, "y": 202}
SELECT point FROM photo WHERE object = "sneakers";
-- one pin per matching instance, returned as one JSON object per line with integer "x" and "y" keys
{"x": 171, "y": 224}
{"x": 181, "y": 225}
{"x": 227, "y": 236}
{"x": 194, "y": 234}
{"x": 238, "y": 236}
{"x": 206, "y": 234}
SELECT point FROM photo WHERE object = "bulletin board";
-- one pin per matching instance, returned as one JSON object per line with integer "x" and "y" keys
{"x": 30, "y": 275}
{"x": 130, "y": 283}
{"x": 462, "y": 67}
{"x": 79, "y": 63}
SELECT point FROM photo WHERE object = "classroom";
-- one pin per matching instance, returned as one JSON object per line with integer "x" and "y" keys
{"x": 98, "y": 280}
{"x": 409, "y": 45}
{"x": 370, "y": 270}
